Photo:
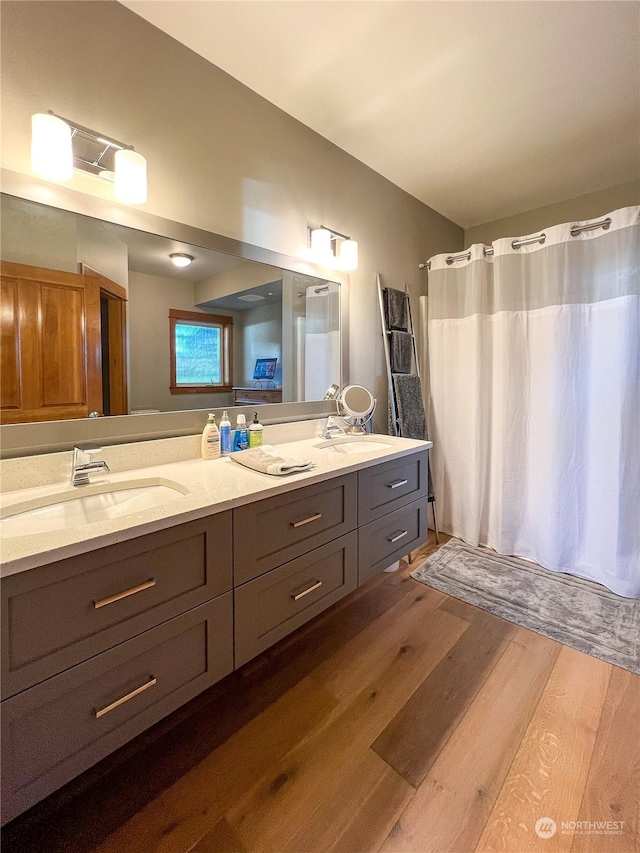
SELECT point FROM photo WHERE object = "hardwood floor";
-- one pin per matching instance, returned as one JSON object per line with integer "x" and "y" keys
{"x": 400, "y": 720}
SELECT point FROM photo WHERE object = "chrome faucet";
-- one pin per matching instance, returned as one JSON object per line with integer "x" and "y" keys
{"x": 332, "y": 429}
{"x": 83, "y": 466}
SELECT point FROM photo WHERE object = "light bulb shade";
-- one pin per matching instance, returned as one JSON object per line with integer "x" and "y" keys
{"x": 321, "y": 245}
{"x": 131, "y": 176}
{"x": 179, "y": 259}
{"x": 349, "y": 255}
{"x": 51, "y": 151}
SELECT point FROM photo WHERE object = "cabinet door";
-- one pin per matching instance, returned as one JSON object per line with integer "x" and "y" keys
{"x": 385, "y": 540}
{"x": 10, "y": 383}
{"x": 53, "y": 347}
{"x": 386, "y": 487}
{"x": 54, "y": 731}
{"x": 85, "y": 604}
{"x": 271, "y": 606}
{"x": 273, "y": 531}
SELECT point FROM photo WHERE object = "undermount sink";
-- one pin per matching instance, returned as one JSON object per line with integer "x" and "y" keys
{"x": 353, "y": 444}
{"x": 87, "y": 504}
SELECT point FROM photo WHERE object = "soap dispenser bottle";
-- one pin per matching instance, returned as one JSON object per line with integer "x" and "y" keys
{"x": 256, "y": 432}
{"x": 210, "y": 444}
{"x": 241, "y": 436}
{"x": 225, "y": 434}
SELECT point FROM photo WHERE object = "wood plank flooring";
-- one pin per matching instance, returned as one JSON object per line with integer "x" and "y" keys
{"x": 400, "y": 720}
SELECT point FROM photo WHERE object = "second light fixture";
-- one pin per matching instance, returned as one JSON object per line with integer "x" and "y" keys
{"x": 330, "y": 248}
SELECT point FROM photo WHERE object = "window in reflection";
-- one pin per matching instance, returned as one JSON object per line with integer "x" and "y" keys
{"x": 200, "y": 352}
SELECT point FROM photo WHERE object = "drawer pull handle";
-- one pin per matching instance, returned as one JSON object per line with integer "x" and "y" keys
{"x": 100, "y": 712}
{"x": 125, "y": 594}
{"x": 306, "y": 520}
{"x": 397, "y": 536}
{"x": 397, "y": 484}
{"x": 316, "y": 585}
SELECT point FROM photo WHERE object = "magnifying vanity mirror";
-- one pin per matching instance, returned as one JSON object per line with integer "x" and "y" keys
{"x": 356, "y": 406}
{"x": 97, "y": 318}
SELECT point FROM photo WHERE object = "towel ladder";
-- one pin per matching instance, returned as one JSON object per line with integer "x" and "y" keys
{"x": 386, "y": 337}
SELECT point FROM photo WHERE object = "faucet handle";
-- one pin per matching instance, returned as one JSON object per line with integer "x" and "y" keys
{"x": 83, "y": 453}
{"x": 82, "y": 464}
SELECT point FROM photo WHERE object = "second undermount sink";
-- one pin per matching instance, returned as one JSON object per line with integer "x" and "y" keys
{"x": 87, "y": 504}
{"x": 353, "y": 444}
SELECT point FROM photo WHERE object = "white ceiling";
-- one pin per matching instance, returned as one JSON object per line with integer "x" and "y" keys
{"x": 479, "y": 109}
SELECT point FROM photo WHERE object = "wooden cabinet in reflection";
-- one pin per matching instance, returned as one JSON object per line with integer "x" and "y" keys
{"x": 63, "y": 349}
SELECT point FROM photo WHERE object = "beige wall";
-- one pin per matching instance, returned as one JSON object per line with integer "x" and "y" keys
{"x": 55, "y": 239}
{"x": 33, "y": 235}
{"x": 220, "y": 157}
{"x": 101, "y": 251}
{"x": 587, "y": 206}
{"x": 262, "y": 338}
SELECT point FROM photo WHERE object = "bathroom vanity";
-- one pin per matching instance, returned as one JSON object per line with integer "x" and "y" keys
{"x": 109, "y": 627}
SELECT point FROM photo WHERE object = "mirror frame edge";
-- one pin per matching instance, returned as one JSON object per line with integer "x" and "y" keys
{"x": 49, "y": 436}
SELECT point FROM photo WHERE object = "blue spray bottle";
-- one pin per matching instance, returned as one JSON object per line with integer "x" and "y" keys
{"x": 225, "y": 434}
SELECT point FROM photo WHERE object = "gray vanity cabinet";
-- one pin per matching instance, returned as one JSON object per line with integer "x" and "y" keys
{"x": 98, "y": 647}
{"x": 298, "y": 553}
{"x": 59, "y": 728}
{"x": 392, "y": 512}
{"x": 294, "y": 555}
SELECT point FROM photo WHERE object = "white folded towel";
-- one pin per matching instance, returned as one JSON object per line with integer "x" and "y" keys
{"x": 266, "y": 460}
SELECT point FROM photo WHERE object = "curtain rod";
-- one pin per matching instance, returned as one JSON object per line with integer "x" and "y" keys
{"x": 515, "y": 244}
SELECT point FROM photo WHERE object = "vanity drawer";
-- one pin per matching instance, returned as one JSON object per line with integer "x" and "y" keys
{"x": 389, "y": 486}
{"x": 270, "y": 607}
{"x": 59, "y": 615}
{"x": 56, "y": 730}
{"x": 276, "y": 530}
{"x": 384, "y": 541}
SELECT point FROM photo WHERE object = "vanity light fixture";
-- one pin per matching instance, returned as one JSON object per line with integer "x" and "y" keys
{"x": 59, "y": 145}
{"x": 330, "y": 248}
{"x": 179, "y": 259}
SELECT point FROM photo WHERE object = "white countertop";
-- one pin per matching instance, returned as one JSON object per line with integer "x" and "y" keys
{"x": 213, "y": 486}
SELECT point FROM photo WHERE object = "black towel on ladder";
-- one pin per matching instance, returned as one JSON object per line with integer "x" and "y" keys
{"x": 400, "y": 346}
{"x": 412, "y": 420}
{"x": 411, "y": 416}
{"x": 395, "y": 309}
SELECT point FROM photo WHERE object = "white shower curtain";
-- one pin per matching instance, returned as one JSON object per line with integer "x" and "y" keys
{"x": 535, "y": 408}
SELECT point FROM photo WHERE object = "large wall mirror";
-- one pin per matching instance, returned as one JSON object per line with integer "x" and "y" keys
{"x": 98, "y": 319}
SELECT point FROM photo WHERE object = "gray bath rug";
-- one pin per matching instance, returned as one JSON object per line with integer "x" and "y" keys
{"x": 579, "y": 613}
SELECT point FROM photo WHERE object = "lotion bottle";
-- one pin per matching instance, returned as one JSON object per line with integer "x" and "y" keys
{"x": 210, "y": 444}
{"x": 225, "y": 434}
{"x": 256, "y": 432}
{"x": 241, "y": 436}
